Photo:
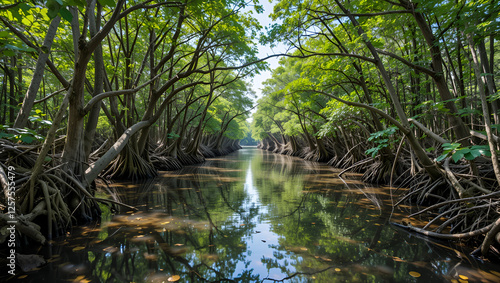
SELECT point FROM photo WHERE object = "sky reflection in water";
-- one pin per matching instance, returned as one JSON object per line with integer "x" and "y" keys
{"x": 254, "y": 216}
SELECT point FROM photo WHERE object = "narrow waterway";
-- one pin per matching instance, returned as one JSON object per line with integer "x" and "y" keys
{"x": 254, "y": 216}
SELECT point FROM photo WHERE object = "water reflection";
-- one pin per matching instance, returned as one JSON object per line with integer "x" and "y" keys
{"x": 254, "y": 216}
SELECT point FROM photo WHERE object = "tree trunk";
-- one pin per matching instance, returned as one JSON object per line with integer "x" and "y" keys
{"x": 94, "y": 169}
{"x": 486, "y": 112}
{"x": 74, "y": 152}
{"x": 419, "y": 151}
{"x": 93, "y": 117}
{"x": 29, "y": 99}
{"x": 460, "y": 129}
{"x": 488, "y": 78}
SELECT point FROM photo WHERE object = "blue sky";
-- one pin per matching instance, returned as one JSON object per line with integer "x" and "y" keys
{"x": 265, "y": 50}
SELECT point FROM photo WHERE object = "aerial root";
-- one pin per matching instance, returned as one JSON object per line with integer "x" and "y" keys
{"x": 166, "y": 163}
{"x": 378, "y": 172}
{"x": 463, "y": 206}
{"x": 189, "y": 159}
{"x": 206, "y": 151}
{"x": 59, "y": 199}
{"x": 130, "y": 165}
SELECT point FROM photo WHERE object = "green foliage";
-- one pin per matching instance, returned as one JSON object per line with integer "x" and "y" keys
{"x": 248, "y": 140}
{"x": 103, "y": 127}
{"x": 172, "y": 136}
{"x": 456, "y": 152}
{"x": 27, "y": 135}
{"x": 9, "y": 45}
{"x": 24, "y": 135}
{"x": 382, "y": 139}
{"x": 37, "y": 116}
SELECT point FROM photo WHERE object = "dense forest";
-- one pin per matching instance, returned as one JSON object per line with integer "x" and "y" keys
{"x": 116, "y": 90}
{"x": 402, "y": 91}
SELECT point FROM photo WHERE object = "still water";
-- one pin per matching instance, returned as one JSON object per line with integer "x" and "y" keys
{"x": 255, "y": 216}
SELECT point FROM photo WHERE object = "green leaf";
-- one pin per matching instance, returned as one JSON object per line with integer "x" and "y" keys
{"x": 441, "y": 157}
{"x": 27, "y": 138}
{"x": 5, "y": 34}
{"x": 457, "y": 156}
{"x": 8, "y": 53}
{"x": 25, "y": 7}
{"x": 5, "y": 135}
{"x": 78, "y": 3}
{"x": 372, "y": 151}
{"x": 469, "y": 156}
{"x": 109, "y": 3}
{"x": 65, "y": 14}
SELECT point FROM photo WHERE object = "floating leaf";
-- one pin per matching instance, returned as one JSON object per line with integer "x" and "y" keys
{"x": 77, "y": 279}
{"x": 337, "y": 269}
{"x": 463, "y": 277}
{"x": 414, "y": 274}
{"x": 173, "y": 278}
{"x": 78, "y": 249}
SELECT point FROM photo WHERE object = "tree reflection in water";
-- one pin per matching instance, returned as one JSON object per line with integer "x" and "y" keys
{"x": 254, "y": 216}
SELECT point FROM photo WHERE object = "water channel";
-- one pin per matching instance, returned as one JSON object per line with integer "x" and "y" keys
{"x": 255, "y": 216}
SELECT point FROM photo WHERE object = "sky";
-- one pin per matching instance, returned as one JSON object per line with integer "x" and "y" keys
{"x": 264, "y": 51}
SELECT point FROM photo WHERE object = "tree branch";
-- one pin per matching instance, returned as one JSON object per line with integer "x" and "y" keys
{"x": 407, "y": 63}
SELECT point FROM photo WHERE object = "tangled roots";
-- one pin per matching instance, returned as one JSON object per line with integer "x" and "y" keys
{"x": 129, "y": 165}
{"x": 165, "y": 163}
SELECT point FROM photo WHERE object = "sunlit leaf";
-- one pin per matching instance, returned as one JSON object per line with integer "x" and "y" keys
{"x": 414, "y": 274}
{"x": 174, "y": 278}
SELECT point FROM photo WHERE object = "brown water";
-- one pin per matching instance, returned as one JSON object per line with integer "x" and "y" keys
{"x": 254, "y": 216}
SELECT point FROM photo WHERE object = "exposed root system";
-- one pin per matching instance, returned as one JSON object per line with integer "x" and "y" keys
{"x": 461, "y": 203}
{"x": 462, "y": 208}
{"x": 130, "y": 165}
{"x": 56, "y": 202}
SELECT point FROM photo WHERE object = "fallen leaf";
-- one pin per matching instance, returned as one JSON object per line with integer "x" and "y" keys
{"x": 173, "y": 278}
{"x": 78, "y": 249}
{"x": 414, "y": 274}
